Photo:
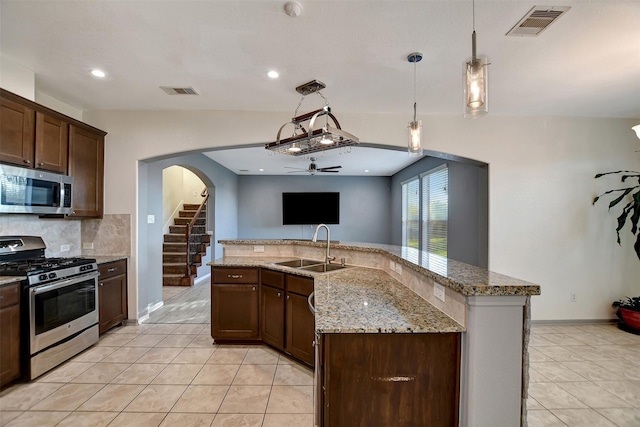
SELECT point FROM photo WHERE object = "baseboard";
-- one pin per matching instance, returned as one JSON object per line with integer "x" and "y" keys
{"x": 199, "y": 280}
{"x": 573, "y": 322}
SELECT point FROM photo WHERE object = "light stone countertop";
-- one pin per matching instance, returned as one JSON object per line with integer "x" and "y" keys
{"x": 7, "y": 280}
{"x": 361, "y": 300}
{"x": 103, "y": 259}
{"x": 466, "y": 279}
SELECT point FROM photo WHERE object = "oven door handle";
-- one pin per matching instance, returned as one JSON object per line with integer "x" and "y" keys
{"x": 46, "y": 288}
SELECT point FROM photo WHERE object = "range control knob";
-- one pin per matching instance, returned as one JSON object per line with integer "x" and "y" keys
{"x": 52, "y": 275}
{"x": 42, "y": 277}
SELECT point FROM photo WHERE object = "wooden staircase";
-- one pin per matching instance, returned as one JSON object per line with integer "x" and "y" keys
{"x": 177, "y": 270}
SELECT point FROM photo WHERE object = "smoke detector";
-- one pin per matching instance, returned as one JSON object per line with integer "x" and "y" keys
{"x": 293, "y": 8}
{"x": 538, "y": 19}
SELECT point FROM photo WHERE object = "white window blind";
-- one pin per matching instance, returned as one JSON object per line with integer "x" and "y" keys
{"x": 411, "y": 213}
{"x": 425, "y": 212}
{"x": 435, "y": 211}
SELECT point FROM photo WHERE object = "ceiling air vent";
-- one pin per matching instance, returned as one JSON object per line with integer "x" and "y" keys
{"x": 537, "y": 20}
{"x": 179, "y": 90}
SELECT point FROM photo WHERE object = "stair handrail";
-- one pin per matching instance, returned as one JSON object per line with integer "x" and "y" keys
{"x": 187, "y": 231}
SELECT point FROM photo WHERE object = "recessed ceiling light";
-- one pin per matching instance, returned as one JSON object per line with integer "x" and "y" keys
{"x": 366, "y": 170}
{"x": 273, "y": 74}
{"x": 98, "y": 73}
{"x": 261, "y": 170}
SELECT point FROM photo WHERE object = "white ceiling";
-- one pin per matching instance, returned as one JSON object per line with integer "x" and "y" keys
{"x": 586, "y": 64}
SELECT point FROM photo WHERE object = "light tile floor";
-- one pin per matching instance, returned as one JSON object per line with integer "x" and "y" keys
{"x": 170, "y": 374}
{"x": 584, "y": 376}
{"x": 165, "y": 375}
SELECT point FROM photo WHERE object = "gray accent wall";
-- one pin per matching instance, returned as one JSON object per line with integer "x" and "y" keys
{"x": 365, "y": 207}
{"x": 468, "y": 225}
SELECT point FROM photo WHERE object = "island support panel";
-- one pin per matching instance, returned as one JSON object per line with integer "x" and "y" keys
{"x": 492, "y": 361}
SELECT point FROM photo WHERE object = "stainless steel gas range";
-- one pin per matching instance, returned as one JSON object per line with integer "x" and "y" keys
{"x": 59, "y": 302}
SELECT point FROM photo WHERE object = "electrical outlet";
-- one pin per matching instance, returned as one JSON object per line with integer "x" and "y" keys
{"x": 258, "y": 248}
{"x": 151, "y": 219}
{"x": 438, "y": 291}
{"x": 65, "y": 248}
{"x": 392, "y": 266}
{"x": 574, "y": 297}
{"x": 399, "y": 269}
{"x": 87, "y": 245}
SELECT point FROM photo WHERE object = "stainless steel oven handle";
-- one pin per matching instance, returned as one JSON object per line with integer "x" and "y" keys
{"x": 76, "y": 279}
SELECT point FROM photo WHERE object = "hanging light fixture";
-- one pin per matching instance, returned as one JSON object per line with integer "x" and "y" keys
{"x": 636, "y": 128}
{"x": 476, "y": 80}
{"x": 308, "y": 137}
{"x": 415, "y": 126}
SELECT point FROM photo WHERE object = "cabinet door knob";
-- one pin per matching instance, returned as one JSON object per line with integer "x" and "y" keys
{"x": 41, "y": 164}
{"x": 287, "y": 296}
{"x": 27, "y": 161}
{"x": 101, "y": 284}
{"x": 279, "y": 294}
{"x": 254, "y": 288}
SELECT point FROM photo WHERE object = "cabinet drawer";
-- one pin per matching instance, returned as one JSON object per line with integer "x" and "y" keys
{"x": 273, "y": 278}
{"x": 235, "y": 275}
{"x": 112, "y": 269}
{"x": 9, "y": 295}
{"x": 300, "y": 285}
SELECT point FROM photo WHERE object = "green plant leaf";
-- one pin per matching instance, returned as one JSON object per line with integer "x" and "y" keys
{"x": 619, "y": 198}
{"x": 636, "y": 213}
{"x": 611, "y": 173}
{"x": 623, "y": 218}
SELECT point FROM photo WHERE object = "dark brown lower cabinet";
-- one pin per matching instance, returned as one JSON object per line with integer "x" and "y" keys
{"x": 235, "y": 304}
{"x": 300, "y": 327}
{"x": 395, "y": 380}
{"x": 112, "y": 294}
{"x": 9, "y": 333}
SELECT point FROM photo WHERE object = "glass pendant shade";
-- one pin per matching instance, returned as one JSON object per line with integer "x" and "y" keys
{"x": 415, "y": 131}
{"x": 636, "y": 128}
{"x": 476, "y": 82}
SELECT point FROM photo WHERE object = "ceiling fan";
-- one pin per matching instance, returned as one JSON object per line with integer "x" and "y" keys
{"x": 313, "y": 168}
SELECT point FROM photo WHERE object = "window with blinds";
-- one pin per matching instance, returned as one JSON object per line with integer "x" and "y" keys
{"x": 425, "y": 211}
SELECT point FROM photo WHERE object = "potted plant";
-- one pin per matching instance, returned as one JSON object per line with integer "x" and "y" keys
{"x": 629, "y": 307}
{"x": 629, "y": 311}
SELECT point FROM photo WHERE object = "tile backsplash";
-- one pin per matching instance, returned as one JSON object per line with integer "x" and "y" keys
{"x": 110, "y": 235}
{"x": 56, "y": 233}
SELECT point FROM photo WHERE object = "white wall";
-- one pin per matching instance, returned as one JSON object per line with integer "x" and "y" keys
{"x": 17, "y": 78}
{"x": 542, "y": 227}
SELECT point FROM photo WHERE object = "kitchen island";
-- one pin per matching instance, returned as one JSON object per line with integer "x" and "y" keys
{"x": 396, "y": 290}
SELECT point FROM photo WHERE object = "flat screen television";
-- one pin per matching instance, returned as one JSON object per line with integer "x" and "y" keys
{"x": 310, "y": 208}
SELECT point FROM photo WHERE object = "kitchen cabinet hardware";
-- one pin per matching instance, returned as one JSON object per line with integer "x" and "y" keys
{"x": 235, "y": 276}
{"x": 279, "y": 294}
{"x": 41, "y": 164}
{"x": 27, "y": 161}
{"x": 311, "y": 307}
{"x": 111, "y": 270}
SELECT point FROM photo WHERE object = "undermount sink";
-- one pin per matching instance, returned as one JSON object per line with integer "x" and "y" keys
{"x": 311, "y": 265}
{"x": 323, "y": 268}
{"x": 297, "y": 263}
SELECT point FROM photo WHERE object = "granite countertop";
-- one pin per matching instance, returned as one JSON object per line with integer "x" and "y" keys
{"x": 361, "y": 300}
{"x": 7, "y": 280}
{"x": 467, "y": 279}
{"x": 103, "y": 259}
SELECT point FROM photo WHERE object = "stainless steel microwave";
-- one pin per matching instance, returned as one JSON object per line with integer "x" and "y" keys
{"x": 33, "y": 191}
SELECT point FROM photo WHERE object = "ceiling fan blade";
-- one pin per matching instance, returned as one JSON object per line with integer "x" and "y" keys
{"x": 325, "y": 171}
{"x": 300, "y": 169}
{"x": 329, "y": 167}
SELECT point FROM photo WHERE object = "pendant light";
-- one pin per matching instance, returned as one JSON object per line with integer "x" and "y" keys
{"x": 415, "y": 126}
{"x": 476, "y": 80}
{"x": 636, "y": 129}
